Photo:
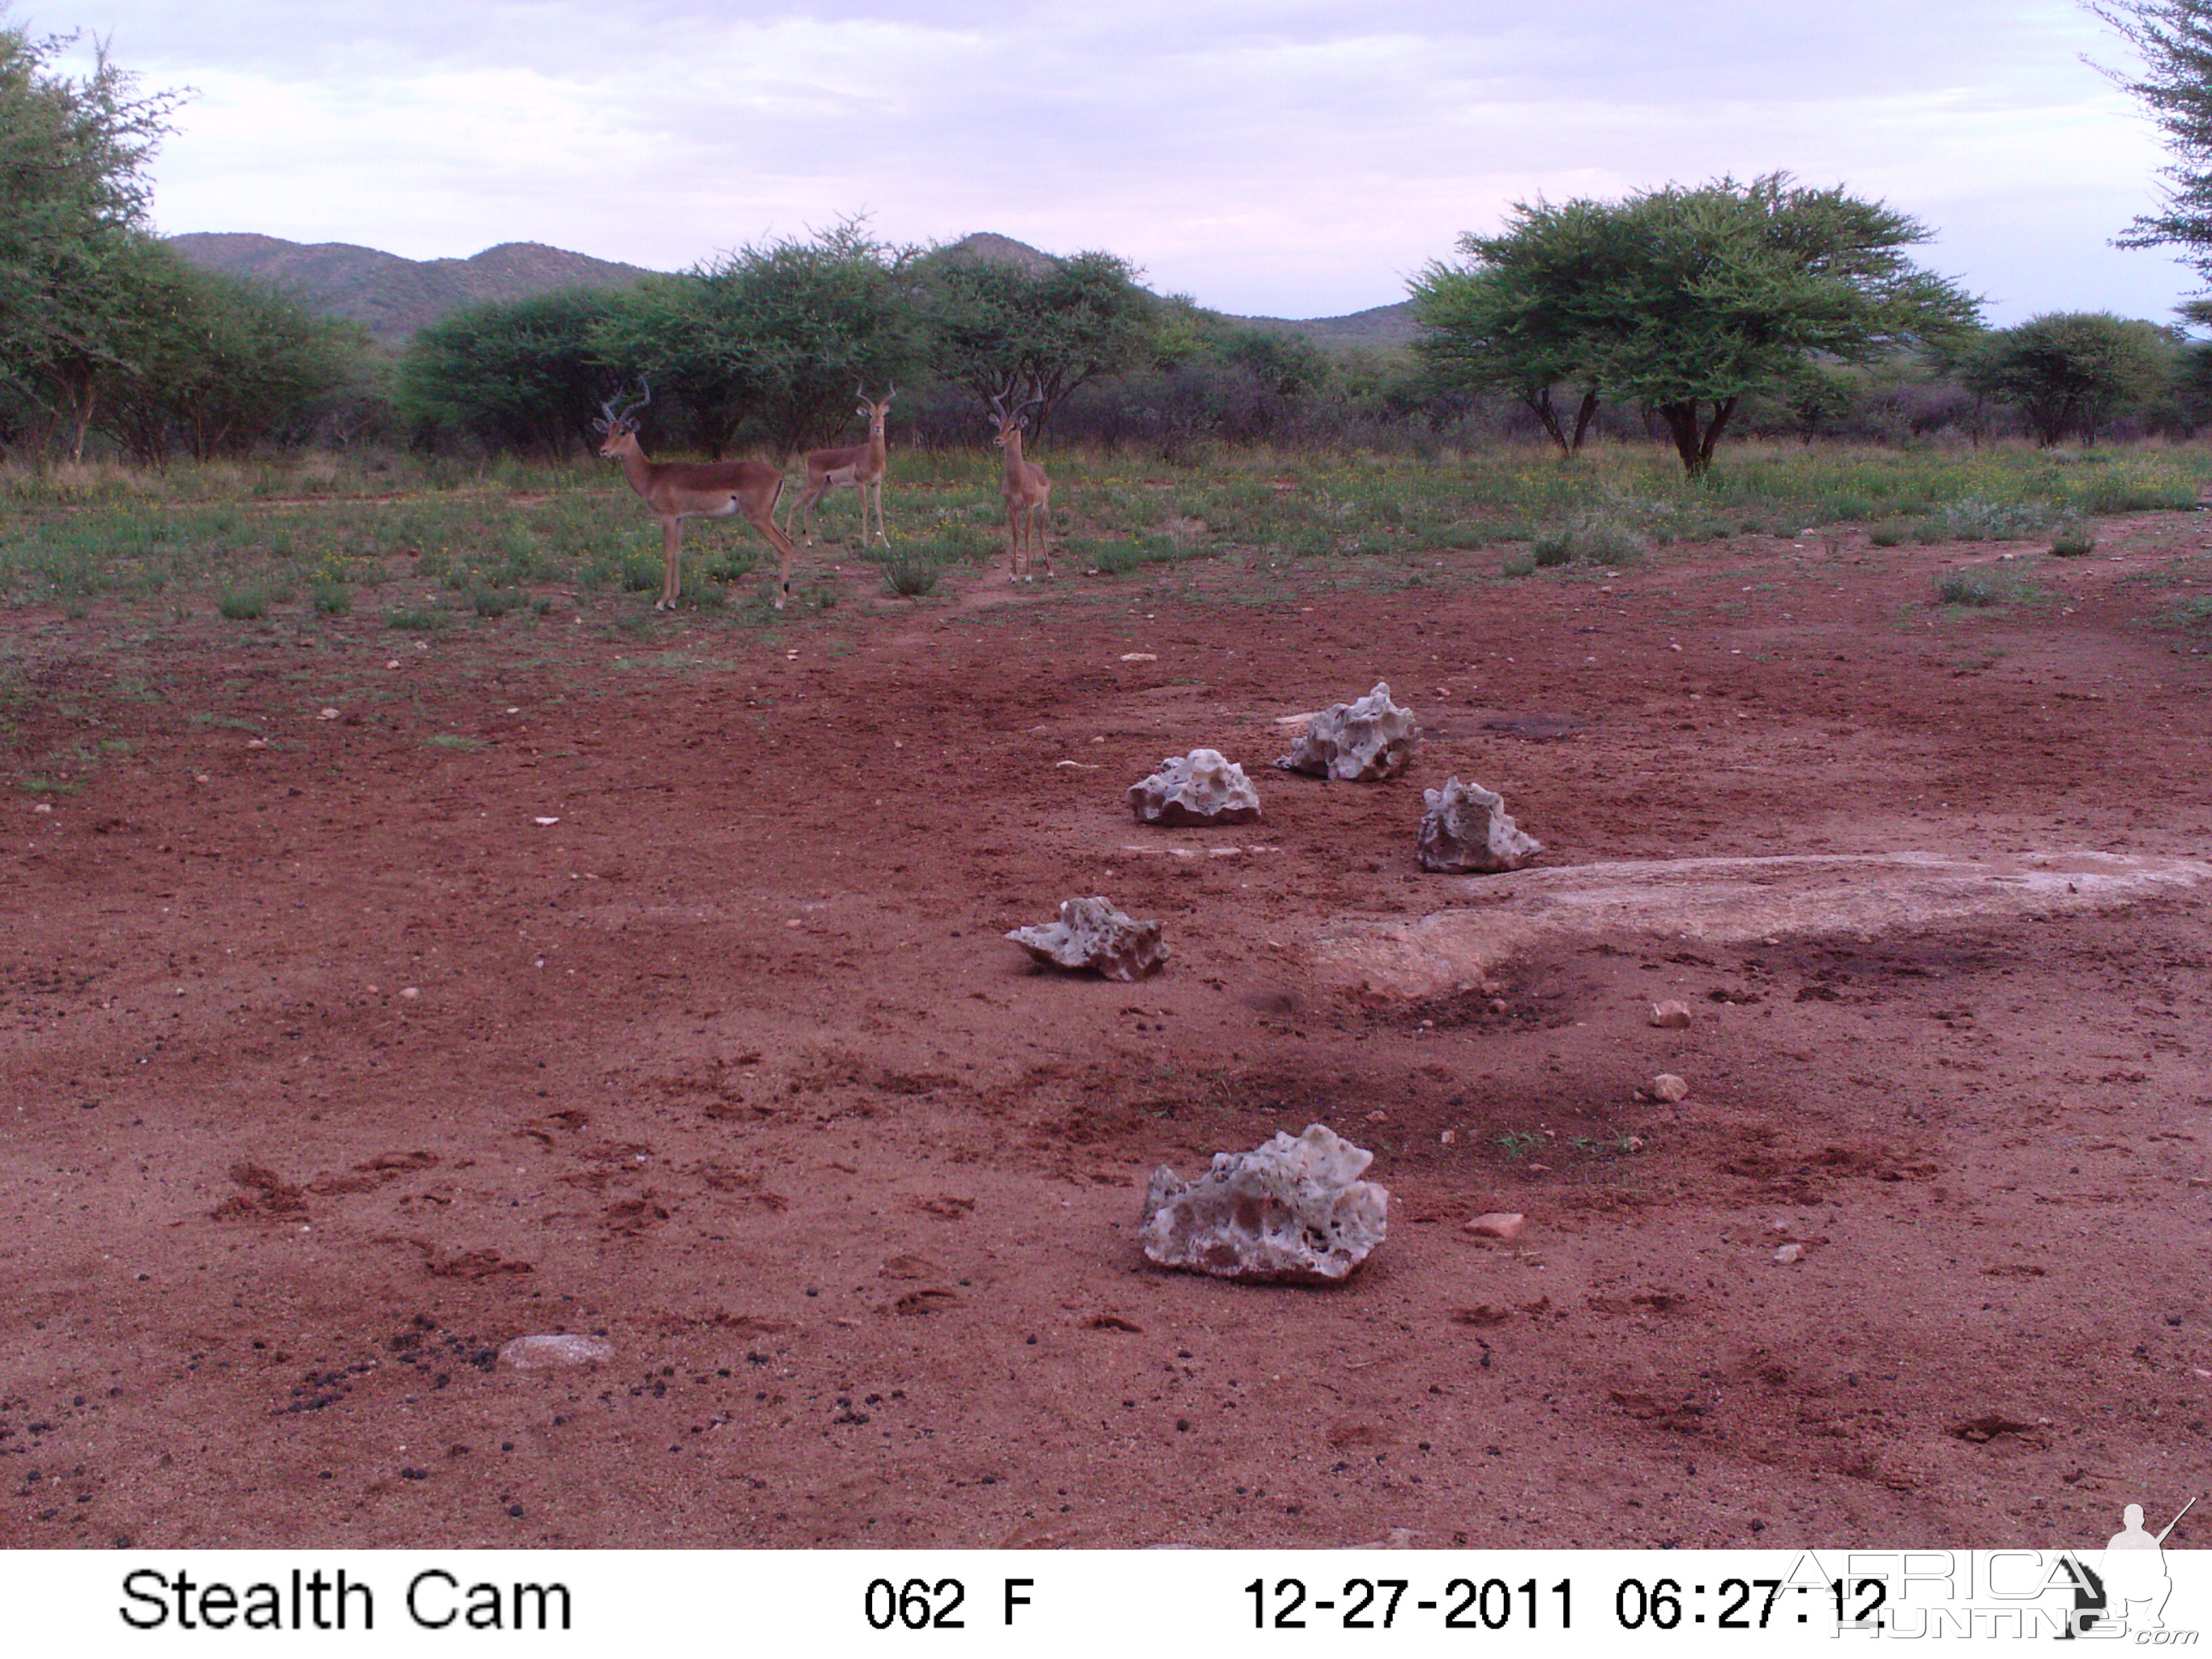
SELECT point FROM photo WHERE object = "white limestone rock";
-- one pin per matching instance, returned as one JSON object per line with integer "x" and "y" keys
{"x": 1204, "y": 787}
{"x": 1093, "y": 934}
{"x": 1357, "y": 742}
{"x": 1294, "y": 1209}
{"x": 1466, "y": 831}
{"x": 536, "y": 1353}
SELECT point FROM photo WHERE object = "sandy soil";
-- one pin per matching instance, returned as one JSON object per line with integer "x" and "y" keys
{"x": 565, "y": 978}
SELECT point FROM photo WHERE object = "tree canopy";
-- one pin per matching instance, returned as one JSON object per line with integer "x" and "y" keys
{"x": 992, "y": 323}
{"x": 768, "y": 343}
{"x": 73, "y": 199}
{"x": 2070, "y": 372}
{"x": 1683, "y": 299}
{"x": 2174, "y": 40}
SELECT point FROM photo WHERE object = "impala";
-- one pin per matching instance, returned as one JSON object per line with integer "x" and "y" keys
{"x": 1028, "y": 491}
{"x": 676, "y": 490}
{"x": 861, "y": 467}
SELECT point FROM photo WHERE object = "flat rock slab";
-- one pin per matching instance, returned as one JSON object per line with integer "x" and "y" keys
{"x": 1726, "y": 901}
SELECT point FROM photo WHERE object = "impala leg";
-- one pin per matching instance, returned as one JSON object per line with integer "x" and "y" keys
{"x": 1014, "y": 537}
{"x": 762, "y": 514}
{"x": 671, "y": 559}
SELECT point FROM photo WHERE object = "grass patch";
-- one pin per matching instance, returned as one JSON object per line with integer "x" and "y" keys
{"x": 454, "y": 740}
{"x": 243, "y": 604}
{"x": 416, "y": 621}
{"x": 2072, "y": 540}
{"x": 496, "y": 601}
{"x": 909, "y": 578}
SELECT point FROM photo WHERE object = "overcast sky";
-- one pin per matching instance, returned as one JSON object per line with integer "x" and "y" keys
{"x": 1282, "y": 157}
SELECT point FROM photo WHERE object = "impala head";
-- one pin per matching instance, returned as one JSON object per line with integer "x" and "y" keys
{"x": 872, "y": 411}
{"x": 1009, "y": 424}
{"x": 619, "y": 427}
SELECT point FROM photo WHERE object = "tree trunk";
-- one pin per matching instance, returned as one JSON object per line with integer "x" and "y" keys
{"x": 1583, "y": 417}
{"x": 1695, "y": 440}
{"x": 1540, "y": 405}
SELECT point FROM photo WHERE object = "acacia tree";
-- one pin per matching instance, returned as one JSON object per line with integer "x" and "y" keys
{"x": 2174, "y": 40}
{"x": 2072, "y": 371}
{"x": 524, "y": 374}
{"x": 770, "y": 342}
{"x": 73, "y": 202}
{"x": 1511, "y": 319}
{"x": 995, "y": 324}
{"x": 1687, "y": 298}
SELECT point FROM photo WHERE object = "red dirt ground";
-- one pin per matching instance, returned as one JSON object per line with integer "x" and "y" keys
{"x": 333, "y": 1066}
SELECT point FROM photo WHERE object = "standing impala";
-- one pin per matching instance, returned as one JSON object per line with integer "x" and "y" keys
{"x": 1028, "y": 491}
{"x": 861, "y": 467}
{"x": 676, "y": 490}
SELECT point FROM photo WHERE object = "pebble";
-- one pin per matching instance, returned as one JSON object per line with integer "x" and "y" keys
{"x": 532, "y": 1353}
{"x": 1499, "y": 1224}
{"x": 327, "y": 715}
{"x": 1786, "y": 1254}
{"x": 1671, "y": 1016}
{"x": 1669, "y": 1087}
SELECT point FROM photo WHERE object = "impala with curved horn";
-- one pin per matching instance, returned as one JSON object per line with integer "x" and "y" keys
{"x": 1028, "y": 491}
{"x": 860, "y": 466}
{"x": 676, "y": 490}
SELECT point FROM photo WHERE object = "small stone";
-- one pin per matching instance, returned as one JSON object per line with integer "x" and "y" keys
{"x": 1293, "y": 1209}
{"x": 536, "y": 1353}
{"x": 1466, "y": 830}
{"x": 1499, "y": 1224}
{"x": 1671, "y": 1016}
{"x": 1669, "y": 1087}
{"x": 1786, "y": 1254}
{"x": 1093, "y": 934}
{"x": 1204, "y": 787}
{"x": 327, "y": 715}
{"x": 1357, "y": 741}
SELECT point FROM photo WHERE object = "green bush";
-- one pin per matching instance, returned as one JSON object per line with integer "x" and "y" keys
{"x": 1517, "y": 564}
{"x": 417, "y": 621}
{"x": 2072, "y": 540}
{"x": 1966, "y": 587}
{"x": 333, "y": 599}
{"x": 1888, "y": 533}
{"x": 494, "y": 601}
{"x": 244, "y": 604}
{"x": 909, "y": 577}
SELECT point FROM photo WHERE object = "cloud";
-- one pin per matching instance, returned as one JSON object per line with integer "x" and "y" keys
{"x": 1295, "y": 158}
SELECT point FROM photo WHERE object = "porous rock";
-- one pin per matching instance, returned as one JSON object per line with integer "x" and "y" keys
{"x": 534, "y": 1354}
{"x": 1093, "y": 934}
{"x": 1466, "y": 830}
{"x": 1669, "y": 1088}
{"x": 1293, "y": 1210}
{"x": 1670, "y": 1015}
{"x": 1357, "y": 741}
{"x": 1204, "y": 787}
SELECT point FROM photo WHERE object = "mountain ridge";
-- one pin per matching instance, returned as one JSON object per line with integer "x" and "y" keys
{"x": 393, "y": 296}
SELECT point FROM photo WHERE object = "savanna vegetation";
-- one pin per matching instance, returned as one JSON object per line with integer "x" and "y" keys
{"x": 1717, "y": 324}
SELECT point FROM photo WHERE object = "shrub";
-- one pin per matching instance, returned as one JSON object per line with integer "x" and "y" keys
{"x": 909, "y": 577}
{"x": 494, "y": 601}
{"x": 1889, "y": 533}
{"x": 2072, "y": 540}
{"x": 244, "y": 604}
{"x": 418, "y": 621}
{"x": 333, "y": 599}
{"x": 1517, "y": 564}
{"x": 1966, "y": 587}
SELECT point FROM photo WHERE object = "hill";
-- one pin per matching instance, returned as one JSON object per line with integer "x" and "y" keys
{"x": 1378, "y": 328}
{"x": 392, "y": 297}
